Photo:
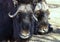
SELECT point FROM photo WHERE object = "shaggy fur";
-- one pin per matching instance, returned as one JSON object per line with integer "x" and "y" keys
{"x": 42, "y": 13}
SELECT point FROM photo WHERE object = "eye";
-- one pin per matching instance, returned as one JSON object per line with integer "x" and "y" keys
{"x": 37, "y": 12}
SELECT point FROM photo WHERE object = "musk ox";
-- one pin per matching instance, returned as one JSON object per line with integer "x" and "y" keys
{"x": 42, "y": 13}
{"x": 23, "y": 21}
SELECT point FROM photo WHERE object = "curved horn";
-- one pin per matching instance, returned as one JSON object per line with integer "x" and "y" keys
{"x": 11, "y": 16}
{"x": 35, "y": 18}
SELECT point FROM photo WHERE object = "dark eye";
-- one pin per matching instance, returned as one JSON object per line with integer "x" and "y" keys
{"x": 37, "y": 12}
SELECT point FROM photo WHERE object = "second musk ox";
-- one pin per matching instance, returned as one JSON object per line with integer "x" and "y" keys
{"x": 41, "y": 14}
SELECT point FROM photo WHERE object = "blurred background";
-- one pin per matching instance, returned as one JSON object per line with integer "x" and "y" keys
{"x": 54, "y": 8}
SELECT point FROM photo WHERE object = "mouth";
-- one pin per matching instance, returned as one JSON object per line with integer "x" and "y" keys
{"x": 25, "y": 34}
{"x": 43, "y": 29}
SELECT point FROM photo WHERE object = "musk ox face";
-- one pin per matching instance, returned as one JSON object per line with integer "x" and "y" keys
{"x": 23, "y": 22}
{"x": 41, "y": 11}
{"x": 42, "y": 24}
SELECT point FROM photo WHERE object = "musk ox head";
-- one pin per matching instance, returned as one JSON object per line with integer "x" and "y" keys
{"x": 24, "y": 21}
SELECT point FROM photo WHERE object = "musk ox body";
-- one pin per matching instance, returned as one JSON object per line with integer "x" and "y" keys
{"x": 6, "y": 26}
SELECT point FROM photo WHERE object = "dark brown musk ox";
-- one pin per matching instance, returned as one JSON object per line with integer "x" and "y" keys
{"x": 6, "y": 28}
{"x": 41, "y": 13}
{"x": 23, "y": 22}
